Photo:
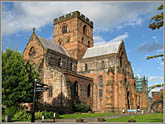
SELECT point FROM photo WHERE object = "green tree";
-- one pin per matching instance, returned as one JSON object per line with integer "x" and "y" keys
{"x": 17, "y": 79}
{"x": 156, "y": 22}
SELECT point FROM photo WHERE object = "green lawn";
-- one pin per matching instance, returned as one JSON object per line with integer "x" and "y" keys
{"x": 67, "y": 116}
{"x": 156, "y": 117}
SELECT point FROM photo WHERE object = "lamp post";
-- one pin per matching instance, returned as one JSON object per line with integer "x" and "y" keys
{"x": 34, "y": 97}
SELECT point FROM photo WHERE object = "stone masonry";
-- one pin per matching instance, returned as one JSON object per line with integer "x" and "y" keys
{"x": 78, "y": 72}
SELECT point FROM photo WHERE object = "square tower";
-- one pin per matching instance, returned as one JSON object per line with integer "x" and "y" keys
{"x": 74, "y": 32}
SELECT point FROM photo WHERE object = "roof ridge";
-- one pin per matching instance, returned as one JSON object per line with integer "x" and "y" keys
{"x": 108, "y": 43}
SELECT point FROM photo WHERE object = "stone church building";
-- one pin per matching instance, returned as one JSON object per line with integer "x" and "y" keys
{"x": 78, "y": 72}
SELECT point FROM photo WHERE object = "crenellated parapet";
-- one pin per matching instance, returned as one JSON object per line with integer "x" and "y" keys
{"x": 75, "y": 14}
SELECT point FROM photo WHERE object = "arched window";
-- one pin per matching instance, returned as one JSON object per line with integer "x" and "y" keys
{"x": 84, "y": 29}
{"x": 88, "y": 89}
{"x": 102, "y": 64}
{"x": 64, "y": 29}
{"x": 75, "y": 89}
{"x": 101, "y": 80}
{"x": 101, "y": 93}
{"x": 71, "y": 66}
{"x": 50, "y": 91}
{"x": 59, "y": 62}
{"x": 32, "y": 51}
{"x": 88, "y": 43}
{"x": 86, "y": 67}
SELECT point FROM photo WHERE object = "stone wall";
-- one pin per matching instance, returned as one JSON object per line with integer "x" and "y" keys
{"x": 118, "y": 88}
{"x": 38, "y": 56}
{"x": 74, "y": 39}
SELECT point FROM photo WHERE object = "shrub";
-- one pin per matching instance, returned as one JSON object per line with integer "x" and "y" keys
{"x": 50, "y": 115}
{"x": 81, "y": 108}
{"x": 22, "y": 115}
{"x": 38, "y": 115}
{"x": 12, "y": 110}
{"x": 132, "y": 119}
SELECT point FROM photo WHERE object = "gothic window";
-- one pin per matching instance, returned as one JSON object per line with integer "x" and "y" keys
{"x": 75, "y": 89}
{"x": 101, "y": 80}
{"x": 71, "y": 66}
{"x": 88, "y": 89}
{"x": 32, "y": 51}
{"x": 64, "y": 29}
{"x": 86, "y": 67}
{"x": 50, "y": 91}
{"x": 84, "y": 29}
{"x": 102, "y": 64}
{"x": 125, "y": 79}
{"x": 59, "y": 62}
{"x": 101, "y": 93}
{"x": 88, "y": 43}
{"x": 67, "y": 64}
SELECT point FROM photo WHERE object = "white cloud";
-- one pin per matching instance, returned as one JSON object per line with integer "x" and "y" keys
{"x": 100, "y": 40}
{"x": 155, "y": 79}
{"x": 154, "y": 37}
{"x": 105, "y": 15}
{"x": 119, "y": 27}
{"x": 121, "y": 37}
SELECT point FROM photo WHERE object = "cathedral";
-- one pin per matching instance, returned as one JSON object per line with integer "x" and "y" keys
{"x": 76, "y": 71}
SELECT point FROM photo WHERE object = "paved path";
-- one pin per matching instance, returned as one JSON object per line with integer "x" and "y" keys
{"x": 89, "y": 119}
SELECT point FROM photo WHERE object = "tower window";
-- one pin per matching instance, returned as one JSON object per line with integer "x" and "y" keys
{"x": 102, "y": 64}
{"x": 86, "y": 67}
{"x": 84, "y": 29}
{"x": 67, "y": 39}
{"x": 101, "y": 80}
{"x": 82, "y": 39}
{"x": 64, "y": 29}
{"x": 88, "y": 43}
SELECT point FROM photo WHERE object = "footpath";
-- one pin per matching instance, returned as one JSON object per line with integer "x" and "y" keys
{"x": 89, "y": 119}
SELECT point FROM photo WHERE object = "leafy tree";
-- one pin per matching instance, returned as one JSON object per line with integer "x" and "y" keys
{"x": 156, "y": 22}
{"x": 17, "y": 79}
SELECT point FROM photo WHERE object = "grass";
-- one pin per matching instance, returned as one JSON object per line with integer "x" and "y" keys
{"x": 69, "y": 116}
{"x": 156, "y": 117}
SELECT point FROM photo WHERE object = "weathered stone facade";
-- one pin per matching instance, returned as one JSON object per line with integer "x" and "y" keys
{"x": 76, "y": 71}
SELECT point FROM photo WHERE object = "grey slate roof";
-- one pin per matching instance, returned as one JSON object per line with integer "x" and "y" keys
{"x": 111, "y": 47}
{"x": 50, "y": 45}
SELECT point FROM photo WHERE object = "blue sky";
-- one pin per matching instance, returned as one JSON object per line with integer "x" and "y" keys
{"x": 113, "y": 21}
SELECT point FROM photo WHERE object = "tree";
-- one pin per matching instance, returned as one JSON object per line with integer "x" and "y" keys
{"x": 156, "y": 22}
{"x": 17, "y": 79}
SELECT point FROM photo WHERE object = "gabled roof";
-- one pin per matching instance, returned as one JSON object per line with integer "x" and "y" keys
{"x": 50, "y": 45}
{"x": 104, "y": 49}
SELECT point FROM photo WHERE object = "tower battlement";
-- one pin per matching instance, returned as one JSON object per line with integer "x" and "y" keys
{"x": 75, "y": 14}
